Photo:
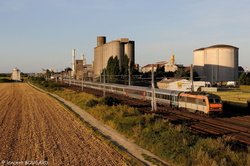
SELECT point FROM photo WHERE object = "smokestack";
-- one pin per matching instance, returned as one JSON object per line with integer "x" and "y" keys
{"x": 73, "y": 59}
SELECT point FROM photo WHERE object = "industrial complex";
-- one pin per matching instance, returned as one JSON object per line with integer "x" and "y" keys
{"x": 214, "y": 64}
{"x": 80, "y": 69}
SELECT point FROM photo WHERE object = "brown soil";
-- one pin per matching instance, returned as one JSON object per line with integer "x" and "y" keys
{"x": 35, "y": 127}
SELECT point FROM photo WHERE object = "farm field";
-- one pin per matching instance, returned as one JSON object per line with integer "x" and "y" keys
{"x": 34, "y": 127}
{"x": 238, "y": 96}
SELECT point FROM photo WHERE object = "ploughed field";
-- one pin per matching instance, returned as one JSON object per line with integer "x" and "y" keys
{"x": 35, "y": 127}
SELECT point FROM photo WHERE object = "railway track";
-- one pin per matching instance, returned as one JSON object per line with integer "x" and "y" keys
{"x": 236, "y": 127}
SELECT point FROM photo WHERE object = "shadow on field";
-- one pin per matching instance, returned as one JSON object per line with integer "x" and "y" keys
{"x": 232, "y": 109}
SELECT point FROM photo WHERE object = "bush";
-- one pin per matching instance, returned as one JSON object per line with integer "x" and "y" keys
{"x": 92, "y": 103}
{"x": 5, "y": 80}
{"x": 110, "y": 101}
{"x": 173, "y": 143}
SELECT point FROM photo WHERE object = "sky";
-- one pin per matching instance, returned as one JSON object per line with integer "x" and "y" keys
{"x": 36, "y": 34}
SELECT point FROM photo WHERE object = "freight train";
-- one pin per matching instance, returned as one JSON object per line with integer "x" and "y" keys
{"x": 203, "y": 103}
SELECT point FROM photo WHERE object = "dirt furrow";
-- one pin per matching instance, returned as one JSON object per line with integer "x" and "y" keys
{"x": 35, "y": 127}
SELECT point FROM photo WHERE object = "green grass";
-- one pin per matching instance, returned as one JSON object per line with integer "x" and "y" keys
{"x": 174, "y": 143}
{"x": 235, "y": 100}
{"x": 237, "y": 96}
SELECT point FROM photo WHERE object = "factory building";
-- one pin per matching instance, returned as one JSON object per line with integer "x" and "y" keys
{"x": 118, "y": 48}
{"x": 16, "y": 74}
{"x": 148, "y": 67}
{"x": 168, "y": 66}
{"x": 180, "y": 84}
{"x": 80, "y": 70}
{"x": 218, "y": 63}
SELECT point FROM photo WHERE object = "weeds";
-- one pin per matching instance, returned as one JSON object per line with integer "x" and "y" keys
{"x": 174, "y": 143}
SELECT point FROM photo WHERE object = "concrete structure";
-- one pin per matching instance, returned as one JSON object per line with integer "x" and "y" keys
{"x": 84, "y": 59}
{"x": 88, "y": 72}
{"x": 16, "y": 74}
{"x": 217, "y": 63}
{"x": 180, "y": 84}
{"x": 171, "y": 66}
{"x": 78, "y": 70}
{"x": 118, "y": 48}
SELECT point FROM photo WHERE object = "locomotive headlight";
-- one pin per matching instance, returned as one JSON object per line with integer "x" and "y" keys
{"x": 213, "y": 108}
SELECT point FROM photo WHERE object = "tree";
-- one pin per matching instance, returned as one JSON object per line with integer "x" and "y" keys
{"x": 160, "y": 71}
{"x": 186, "y": 74}
{"x": 179, "y": 73}
{"x": 125, "y": 65}
{"x": 248, "y": 81}
{"x": 113, "y": 69}
{"x": 68, "y": 71}
{"x": 243, "y": 79}
{"x": 48, "y": 74}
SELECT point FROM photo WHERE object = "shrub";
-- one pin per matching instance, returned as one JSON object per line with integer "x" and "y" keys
{"x": 92, "y": 103}
{"x": 110, "y": 101}
{"x": 173, "y": 143}
{"x": 5, "y": 80}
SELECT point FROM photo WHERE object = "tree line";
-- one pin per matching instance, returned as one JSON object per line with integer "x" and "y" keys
{"x": 244, "y": 79}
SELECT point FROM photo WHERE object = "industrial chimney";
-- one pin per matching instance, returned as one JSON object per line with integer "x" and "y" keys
{"x": 73, "y": 60}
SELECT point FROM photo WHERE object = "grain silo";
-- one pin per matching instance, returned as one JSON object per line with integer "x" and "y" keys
{"x": 218, "y": 63}
{"x": 16, "y": 74}
{"x": 104, "y": 51}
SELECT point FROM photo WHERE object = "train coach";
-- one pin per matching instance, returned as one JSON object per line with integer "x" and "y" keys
{"x": 204, "y": 103}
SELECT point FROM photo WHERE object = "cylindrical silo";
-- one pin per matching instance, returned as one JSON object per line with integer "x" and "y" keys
{"x": 111, "y": 49}
{"x": 129, "y": 50}
{"x": 199, "y": 62}
{"x": 220, "y": 63}
{"x": 98, "y": 59}
{"x": 101, "y": 40}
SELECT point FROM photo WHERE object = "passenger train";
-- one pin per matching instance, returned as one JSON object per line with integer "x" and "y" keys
{"x": 204, "y": 103}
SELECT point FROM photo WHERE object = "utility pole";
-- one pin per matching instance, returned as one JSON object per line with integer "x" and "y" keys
{"x": 100, "y": 76}
{"x": 69, "y": 78}
{"x": 192, "y": 78}
{"x": 129, "y": 75}
{"x": 82, "y": 84}
{"x": 61, "y": 77}
{"x": 153, "y": 101}
{"x": 104, "y": 80}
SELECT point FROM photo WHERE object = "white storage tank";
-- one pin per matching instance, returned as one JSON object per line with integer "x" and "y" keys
{"x": 16, "y": 74}
{"x": 199, "y": 62}
{"x": 218, "y": 63}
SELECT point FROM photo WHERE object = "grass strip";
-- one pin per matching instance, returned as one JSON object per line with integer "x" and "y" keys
{"x": 173, "y": 143}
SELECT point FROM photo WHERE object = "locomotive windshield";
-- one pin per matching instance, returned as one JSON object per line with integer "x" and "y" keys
{"x": 214, "y": 101}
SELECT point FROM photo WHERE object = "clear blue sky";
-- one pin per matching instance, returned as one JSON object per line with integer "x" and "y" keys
{"x": 36, "y": 34}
